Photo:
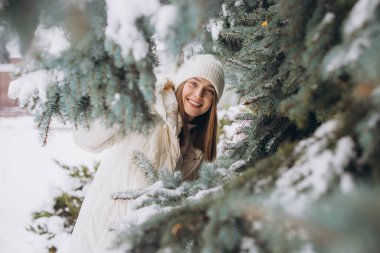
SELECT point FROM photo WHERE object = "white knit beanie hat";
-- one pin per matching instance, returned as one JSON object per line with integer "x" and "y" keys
{"x": 205, "y": 66}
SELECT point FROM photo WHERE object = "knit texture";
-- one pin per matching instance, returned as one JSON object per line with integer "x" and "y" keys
{"x": 205, "y": 66}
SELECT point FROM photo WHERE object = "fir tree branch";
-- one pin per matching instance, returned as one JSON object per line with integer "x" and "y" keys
{"x": 240, "y": 64}
{"x": 254, "y": 99}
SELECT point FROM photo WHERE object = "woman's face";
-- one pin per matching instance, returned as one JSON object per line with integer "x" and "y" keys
{"x": 197, "y": 97}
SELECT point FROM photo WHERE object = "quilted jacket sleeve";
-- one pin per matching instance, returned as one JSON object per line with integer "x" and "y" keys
{"x": 94, "y": 139}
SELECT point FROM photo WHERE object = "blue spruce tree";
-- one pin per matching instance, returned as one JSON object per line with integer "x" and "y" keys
{"x": 303, "y": 174}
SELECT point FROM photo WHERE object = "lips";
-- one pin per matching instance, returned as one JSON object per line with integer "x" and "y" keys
{"x": 194, "y": 103}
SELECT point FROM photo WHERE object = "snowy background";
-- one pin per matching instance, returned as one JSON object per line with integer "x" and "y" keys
{"x": 29, "y": 178}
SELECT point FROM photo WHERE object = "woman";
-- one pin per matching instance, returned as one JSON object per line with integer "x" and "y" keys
{"x": 185, "y": 136}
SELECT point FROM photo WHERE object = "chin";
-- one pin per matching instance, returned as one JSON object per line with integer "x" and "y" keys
{"x": 191, "y": 113}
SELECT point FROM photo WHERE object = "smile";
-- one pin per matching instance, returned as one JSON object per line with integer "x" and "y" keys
{"x": 194, "y": 103}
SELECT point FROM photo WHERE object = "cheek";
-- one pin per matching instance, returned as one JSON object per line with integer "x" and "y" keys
{"x": 208, "y": 104}
{"x": 185, "y": 92}
{"x": 183, "y": 97}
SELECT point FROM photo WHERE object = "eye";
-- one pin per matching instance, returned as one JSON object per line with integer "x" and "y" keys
{"x": 210, "y": 91}
{"x": 194, "y": 84}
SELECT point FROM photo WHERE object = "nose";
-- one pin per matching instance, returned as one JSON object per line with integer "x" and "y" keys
{"x": 199, "y": 92}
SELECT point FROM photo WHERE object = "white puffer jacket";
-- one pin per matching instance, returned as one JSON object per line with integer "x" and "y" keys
{"x": 118, "y": 173}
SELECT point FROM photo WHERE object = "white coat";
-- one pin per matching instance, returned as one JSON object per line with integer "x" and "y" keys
{"x": 117, "y": 172}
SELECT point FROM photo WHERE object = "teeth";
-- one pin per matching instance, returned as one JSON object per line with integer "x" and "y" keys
{"x": 194, "y": 103}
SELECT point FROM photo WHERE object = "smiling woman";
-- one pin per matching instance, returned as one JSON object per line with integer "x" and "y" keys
{"x": 181, "y": 141}
{"x": 199, "y": 84}
{"x": 197, "y": 97}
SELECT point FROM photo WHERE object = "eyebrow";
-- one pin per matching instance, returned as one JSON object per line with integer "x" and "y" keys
{"x": 209, "y": 84}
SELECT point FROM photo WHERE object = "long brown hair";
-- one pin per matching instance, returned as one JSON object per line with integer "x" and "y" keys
{"x": 204, "y": 135}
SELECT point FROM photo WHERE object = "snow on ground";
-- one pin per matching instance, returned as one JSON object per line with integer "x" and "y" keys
{"x": 29, "y": 178}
